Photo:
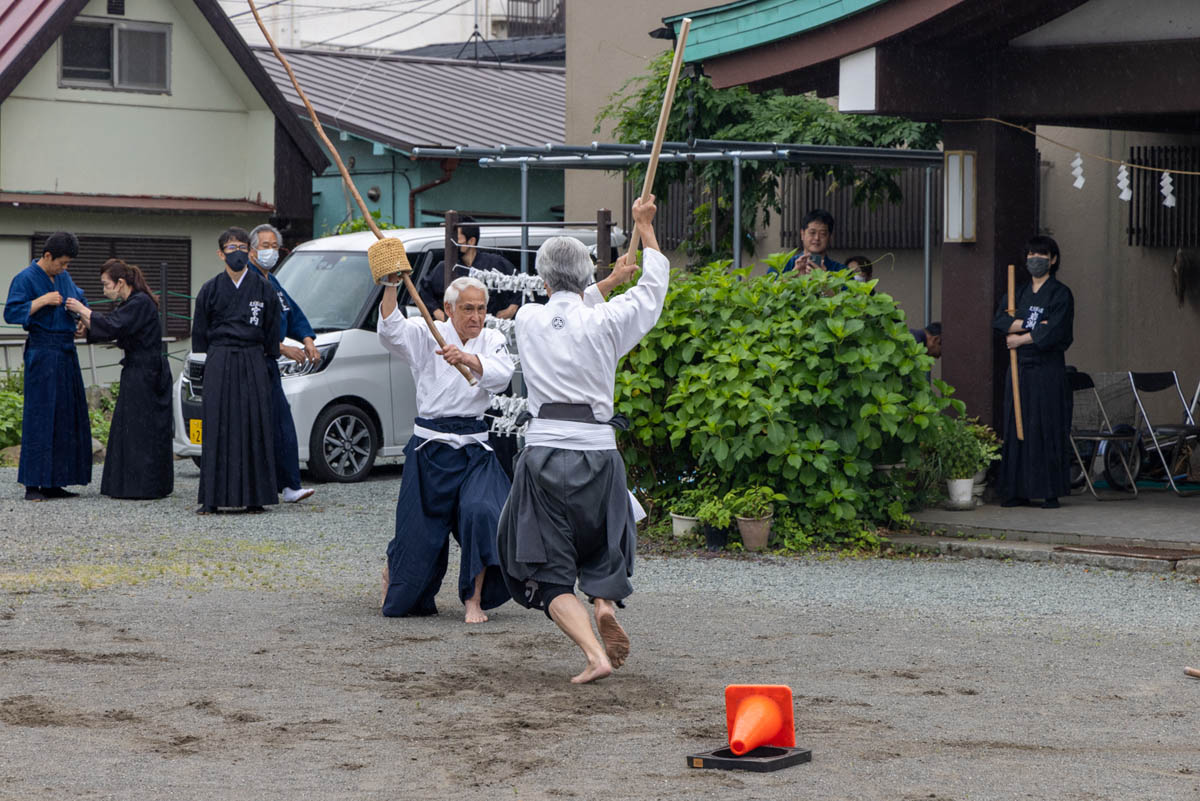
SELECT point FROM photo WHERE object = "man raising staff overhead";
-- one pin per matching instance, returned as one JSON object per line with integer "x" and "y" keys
{"x": 569, "y": 515}
{"x": 452, "y": 480}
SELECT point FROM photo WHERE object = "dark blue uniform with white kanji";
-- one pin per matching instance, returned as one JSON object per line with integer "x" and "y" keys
{"x": 236, "y": 324}
{"x": 56, "y": 436}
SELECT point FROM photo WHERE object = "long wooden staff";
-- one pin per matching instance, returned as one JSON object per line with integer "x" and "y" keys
{"x": 404, "y": 268}
{"x": 1012, "y": 353}
{"x": 661, "y": 132}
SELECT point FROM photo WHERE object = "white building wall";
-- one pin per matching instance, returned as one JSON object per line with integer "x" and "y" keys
{"x": 211, "y": 137}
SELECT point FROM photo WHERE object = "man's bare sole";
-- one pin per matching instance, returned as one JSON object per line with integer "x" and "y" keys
{"x": 386, "y": 579}
{"x": 616, "y": 641}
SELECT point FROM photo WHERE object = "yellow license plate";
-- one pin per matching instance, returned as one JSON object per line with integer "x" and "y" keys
{"x": 194, "y": 431}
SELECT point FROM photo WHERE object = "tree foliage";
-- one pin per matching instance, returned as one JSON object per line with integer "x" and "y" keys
{"x": 702, "y": 112}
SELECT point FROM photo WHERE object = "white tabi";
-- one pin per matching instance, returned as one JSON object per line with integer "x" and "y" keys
{"x": 569, "y": 515}
{"x": 452, "y": 481}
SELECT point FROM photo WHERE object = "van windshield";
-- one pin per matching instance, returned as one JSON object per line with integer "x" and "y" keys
{"x": 330, "y": 287}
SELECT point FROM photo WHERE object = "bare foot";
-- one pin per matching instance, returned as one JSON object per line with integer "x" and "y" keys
{"x": 593, "y": 672}
{"x": 475, "y": 613}
{"x": 616, "y": 641}
{"x": 386, "y": 581}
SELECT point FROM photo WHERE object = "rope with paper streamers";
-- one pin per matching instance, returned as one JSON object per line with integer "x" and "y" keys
{"x": 1166, "y": 183}
{"x": 528, "y": 285}
{"x": 510, "y": 408}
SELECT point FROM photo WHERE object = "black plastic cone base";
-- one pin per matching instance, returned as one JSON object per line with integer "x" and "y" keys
{"x": 761, "y": 760}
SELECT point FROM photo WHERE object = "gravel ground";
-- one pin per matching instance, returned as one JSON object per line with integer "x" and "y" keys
{"x": 149, "y": 653}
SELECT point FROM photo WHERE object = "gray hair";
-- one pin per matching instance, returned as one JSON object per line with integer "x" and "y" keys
{"x": 264, "y": 227}
{"x": 459, "y": 284}
{"x": 564, "y": 264}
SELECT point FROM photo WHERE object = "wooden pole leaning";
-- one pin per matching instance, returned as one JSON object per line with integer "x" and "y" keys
{"x": 1012, "y": 354}
{"x": 661, "y": 132}
{"x": 401, "y": 262}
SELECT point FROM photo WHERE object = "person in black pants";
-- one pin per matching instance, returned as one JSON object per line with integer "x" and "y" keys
{"x": 1040, "y": 331}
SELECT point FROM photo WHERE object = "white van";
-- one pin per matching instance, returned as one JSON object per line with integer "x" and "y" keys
{"x": 360, "y": 401}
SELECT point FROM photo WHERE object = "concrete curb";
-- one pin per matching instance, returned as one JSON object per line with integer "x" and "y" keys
{"x": 1027, "y": 551}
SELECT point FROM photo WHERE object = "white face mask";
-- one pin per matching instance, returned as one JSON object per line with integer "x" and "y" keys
{"x": 267, "y": 257}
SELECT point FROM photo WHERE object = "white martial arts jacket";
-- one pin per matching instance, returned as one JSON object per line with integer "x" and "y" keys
{"x": 441, "y": 389}
{"x": 570, "y": 347}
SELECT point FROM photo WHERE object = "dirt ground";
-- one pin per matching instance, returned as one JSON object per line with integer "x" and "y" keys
{"x": 153, "y": 660}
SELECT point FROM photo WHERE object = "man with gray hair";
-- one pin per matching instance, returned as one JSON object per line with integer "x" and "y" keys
{"x": 264, "y": 255}
{"x": 570, "y": 516}
{"x": 452, "y": 480}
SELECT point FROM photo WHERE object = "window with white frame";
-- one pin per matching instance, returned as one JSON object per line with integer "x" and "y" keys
{"x": 116, "y": 54}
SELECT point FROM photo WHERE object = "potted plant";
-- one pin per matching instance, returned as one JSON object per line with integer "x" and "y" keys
{"x": 754, "y": 508}
{"x": 715, "y": 517}
{"x": 963, "y": 454}
{"x": 684, "y": 510}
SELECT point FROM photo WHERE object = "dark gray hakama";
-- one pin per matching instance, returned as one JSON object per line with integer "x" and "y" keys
{"x": 445, "y": 489}
{"x": 138, "y": 462}
{"x": 568, "y": 517}
{"x": 236, "y": 326}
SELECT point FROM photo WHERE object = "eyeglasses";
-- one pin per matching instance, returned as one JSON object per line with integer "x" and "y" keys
{"x": 237, "y": 248}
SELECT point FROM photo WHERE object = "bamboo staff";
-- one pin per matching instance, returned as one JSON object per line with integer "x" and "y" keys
{"x": 661, "y": 132}
{"x": 1012, "y": 353}
{"x": 406, "y": 274}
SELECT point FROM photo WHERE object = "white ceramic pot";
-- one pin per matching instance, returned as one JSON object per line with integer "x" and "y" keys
{"x": 681, "y": 524}
{"x": 960, "y": 491}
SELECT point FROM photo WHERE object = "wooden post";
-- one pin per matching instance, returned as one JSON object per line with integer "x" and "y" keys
{"x": 603, "y": 243}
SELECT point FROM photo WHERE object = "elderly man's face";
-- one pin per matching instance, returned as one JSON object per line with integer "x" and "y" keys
{"x": 469, "y": 314}
{"x": 816, "y": 237}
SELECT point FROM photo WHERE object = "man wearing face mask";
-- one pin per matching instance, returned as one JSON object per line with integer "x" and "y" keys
{"x": 264, "y": 255}
{"x": 236, "y": 323}
{"x": 1040, "y": 331}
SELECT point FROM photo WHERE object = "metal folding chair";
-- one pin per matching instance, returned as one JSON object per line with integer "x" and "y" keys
{"x": 1175, "y": 436}
{"x": 1090, "y": 423}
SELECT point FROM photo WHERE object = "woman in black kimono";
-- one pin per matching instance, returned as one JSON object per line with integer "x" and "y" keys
{"x": 138, "y": 463}
{"x": 1040, "y": 332}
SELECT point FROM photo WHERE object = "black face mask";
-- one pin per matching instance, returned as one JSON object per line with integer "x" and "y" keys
{"x": 1037, "y": 266}
{"x": 237, "y": 260}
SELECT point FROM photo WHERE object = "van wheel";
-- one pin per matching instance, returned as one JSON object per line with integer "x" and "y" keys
{"x": 343, "y": 444}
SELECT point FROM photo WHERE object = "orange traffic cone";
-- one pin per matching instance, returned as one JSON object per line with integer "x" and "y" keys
{"x": 757, "y": 715}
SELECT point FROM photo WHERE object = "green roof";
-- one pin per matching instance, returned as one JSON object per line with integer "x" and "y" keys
{"x": 735, "y": 26}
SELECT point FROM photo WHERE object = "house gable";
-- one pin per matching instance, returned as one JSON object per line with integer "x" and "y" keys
{"x": 212, "y": 136}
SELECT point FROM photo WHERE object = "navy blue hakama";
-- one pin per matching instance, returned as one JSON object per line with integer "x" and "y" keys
{"x": 56, "y": 435}
{"x": 446, "y": 489}
{"x": 287, "y": 446}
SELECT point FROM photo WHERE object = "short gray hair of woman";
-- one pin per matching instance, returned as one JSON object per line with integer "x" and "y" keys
{"x": 565, "y": 264}
{"x": 459, "y": 284}
{"x": 264, "y": 227}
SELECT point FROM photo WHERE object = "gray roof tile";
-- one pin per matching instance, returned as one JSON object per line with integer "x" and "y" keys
{"x": 407, "y": 101}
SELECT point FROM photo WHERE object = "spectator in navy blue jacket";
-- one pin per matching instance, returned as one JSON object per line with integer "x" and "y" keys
{"x": 264, "y": 255}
